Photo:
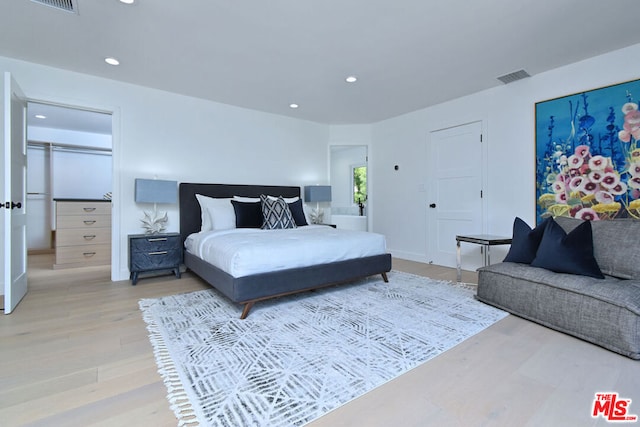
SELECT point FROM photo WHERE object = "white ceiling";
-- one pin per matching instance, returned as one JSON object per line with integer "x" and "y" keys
{"x": 264, "y": 55}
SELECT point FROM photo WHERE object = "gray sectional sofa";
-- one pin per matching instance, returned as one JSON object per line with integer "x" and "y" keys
{"x": 605, "y": 311}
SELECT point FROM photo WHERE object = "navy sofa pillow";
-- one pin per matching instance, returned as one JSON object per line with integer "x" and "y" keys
{"x": 248, "y": 214}
{"x": 525, "y": 241}
{"x": 568, "y": 253}
{"x": 297, "y": 212}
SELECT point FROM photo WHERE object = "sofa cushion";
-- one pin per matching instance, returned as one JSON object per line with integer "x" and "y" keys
{"x": 525, "y": 241}
{"x": 564, "y": 252}
{"x": 605, "y": 312}
{"x": 615, "y": 242}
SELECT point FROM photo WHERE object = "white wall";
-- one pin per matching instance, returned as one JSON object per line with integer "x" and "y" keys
{"x": 343, "y": 159}
{"x": 80, "y": 175}
{"x": 170, "y": 136}
{"x": 507, "y": 113}
{"x": 38, "y": 198}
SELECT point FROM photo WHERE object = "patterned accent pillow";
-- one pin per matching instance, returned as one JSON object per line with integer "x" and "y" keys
{"x": 276, "y": 213}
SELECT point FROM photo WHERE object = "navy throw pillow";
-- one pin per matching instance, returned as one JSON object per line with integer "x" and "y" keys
{"x": 525, "y": 241}
{"x": 298, "y": 212}
{"x": 248, "y": 214}
{"x": 568, "y": 253}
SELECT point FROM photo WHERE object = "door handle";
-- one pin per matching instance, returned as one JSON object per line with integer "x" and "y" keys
{"x": 432, "y": 205}
{"x": 11, "y": 205}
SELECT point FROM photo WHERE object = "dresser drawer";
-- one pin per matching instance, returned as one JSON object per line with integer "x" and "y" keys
{"x": 154, "y": 243}
{"x": 83, "y": 208}
{"x": 83, "y": 236}
{"x": 83, "y": 255}
{"x": 83, "y": 221}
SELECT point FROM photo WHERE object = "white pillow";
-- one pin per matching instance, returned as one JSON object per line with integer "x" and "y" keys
{"x": 286, "y": 199}
{"x": 257, "y": 199}
{"x": 217, "y": 214}
{"x": 246, "y": 199}
{"x": 307, "y": 214}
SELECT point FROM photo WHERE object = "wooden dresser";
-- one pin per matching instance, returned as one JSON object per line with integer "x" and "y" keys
{"x": 83, "y": 232}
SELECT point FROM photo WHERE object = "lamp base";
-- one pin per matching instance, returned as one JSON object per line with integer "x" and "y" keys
{"x": 154, "y": 223}
{"x": 316, "y": 216}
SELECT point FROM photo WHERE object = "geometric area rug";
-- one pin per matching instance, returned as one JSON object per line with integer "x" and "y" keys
{"x": 298, "y": 357}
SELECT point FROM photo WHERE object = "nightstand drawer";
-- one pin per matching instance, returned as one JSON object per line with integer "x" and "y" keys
{"x": 154, "y": 243}
{"x": 156, "y": 260}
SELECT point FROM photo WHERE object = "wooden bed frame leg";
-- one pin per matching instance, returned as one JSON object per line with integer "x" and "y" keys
{"x": 385, "y": 278}
{"x": 245, "y": 311}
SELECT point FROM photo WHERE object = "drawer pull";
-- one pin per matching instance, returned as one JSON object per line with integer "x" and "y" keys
{"x": 89, "y": 237}
{"x": 158, "y": 253}
{"x": 89, "y": 221}
{"x": 157, "y": 239}
{"x": 88, "y": 253}
{"x": 89, "y": 209}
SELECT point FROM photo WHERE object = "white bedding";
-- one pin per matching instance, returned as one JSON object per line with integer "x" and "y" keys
{"x": 246, "y": 251}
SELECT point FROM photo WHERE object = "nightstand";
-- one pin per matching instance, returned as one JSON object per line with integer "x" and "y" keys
{"x": 154, "y": 252}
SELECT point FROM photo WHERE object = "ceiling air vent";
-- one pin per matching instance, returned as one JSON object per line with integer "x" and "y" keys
{"x": 515, "y": 76}
{"x": 66, "y": 5}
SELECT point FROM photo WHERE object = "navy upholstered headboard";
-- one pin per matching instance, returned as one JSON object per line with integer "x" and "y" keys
{"x": 190, "y": 216}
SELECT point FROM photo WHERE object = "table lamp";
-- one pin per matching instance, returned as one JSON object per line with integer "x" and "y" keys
{"x": 155, "y": 191}
{"x": 317, "y": 193}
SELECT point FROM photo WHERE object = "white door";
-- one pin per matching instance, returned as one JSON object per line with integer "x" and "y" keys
{"x": 13, "y": 193}
{"x": 455, "y": 202}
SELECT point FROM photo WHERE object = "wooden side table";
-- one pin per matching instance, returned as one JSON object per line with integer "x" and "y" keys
{"x": 154, "y": 252}
{"x": 486, "y": 240}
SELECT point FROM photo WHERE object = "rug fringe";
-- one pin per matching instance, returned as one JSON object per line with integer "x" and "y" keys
{"x": 177, "y": 395}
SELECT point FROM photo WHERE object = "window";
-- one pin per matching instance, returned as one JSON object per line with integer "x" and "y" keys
{"x": 359, "y": 177}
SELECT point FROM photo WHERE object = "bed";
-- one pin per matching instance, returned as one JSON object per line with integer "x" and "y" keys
{"x": 249, "y": 289}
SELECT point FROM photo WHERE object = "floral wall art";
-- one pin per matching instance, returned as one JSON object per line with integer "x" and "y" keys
{"x": 588, "y": 154}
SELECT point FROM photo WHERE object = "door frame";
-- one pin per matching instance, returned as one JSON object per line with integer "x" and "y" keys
{"x": 367, "y": 163}
{"x": 114, "y": 111}
{"x": 483, "y": 175}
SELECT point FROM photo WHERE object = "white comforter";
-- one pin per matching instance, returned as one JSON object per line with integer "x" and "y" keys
{"x": 246, "y": 251}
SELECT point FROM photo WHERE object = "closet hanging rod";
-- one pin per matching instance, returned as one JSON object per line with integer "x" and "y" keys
{"x": 59, "y": 146}
{"x": 95, "y": 152}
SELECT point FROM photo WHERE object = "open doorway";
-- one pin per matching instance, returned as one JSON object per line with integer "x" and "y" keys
{"x": 69, "y": 156}
{"x": 348, "y": 176}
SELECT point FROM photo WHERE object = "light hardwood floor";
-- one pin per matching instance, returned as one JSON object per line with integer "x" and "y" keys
{"x": 75, "y": 353}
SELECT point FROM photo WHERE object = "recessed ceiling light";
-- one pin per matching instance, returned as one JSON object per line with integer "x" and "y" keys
{"x": 127, "y": 1}
{"x": 40, "y": 116}
{"x": 111, "y": 61}
{"x": 351, "y": 79}
{"x": 294, "y": 106}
